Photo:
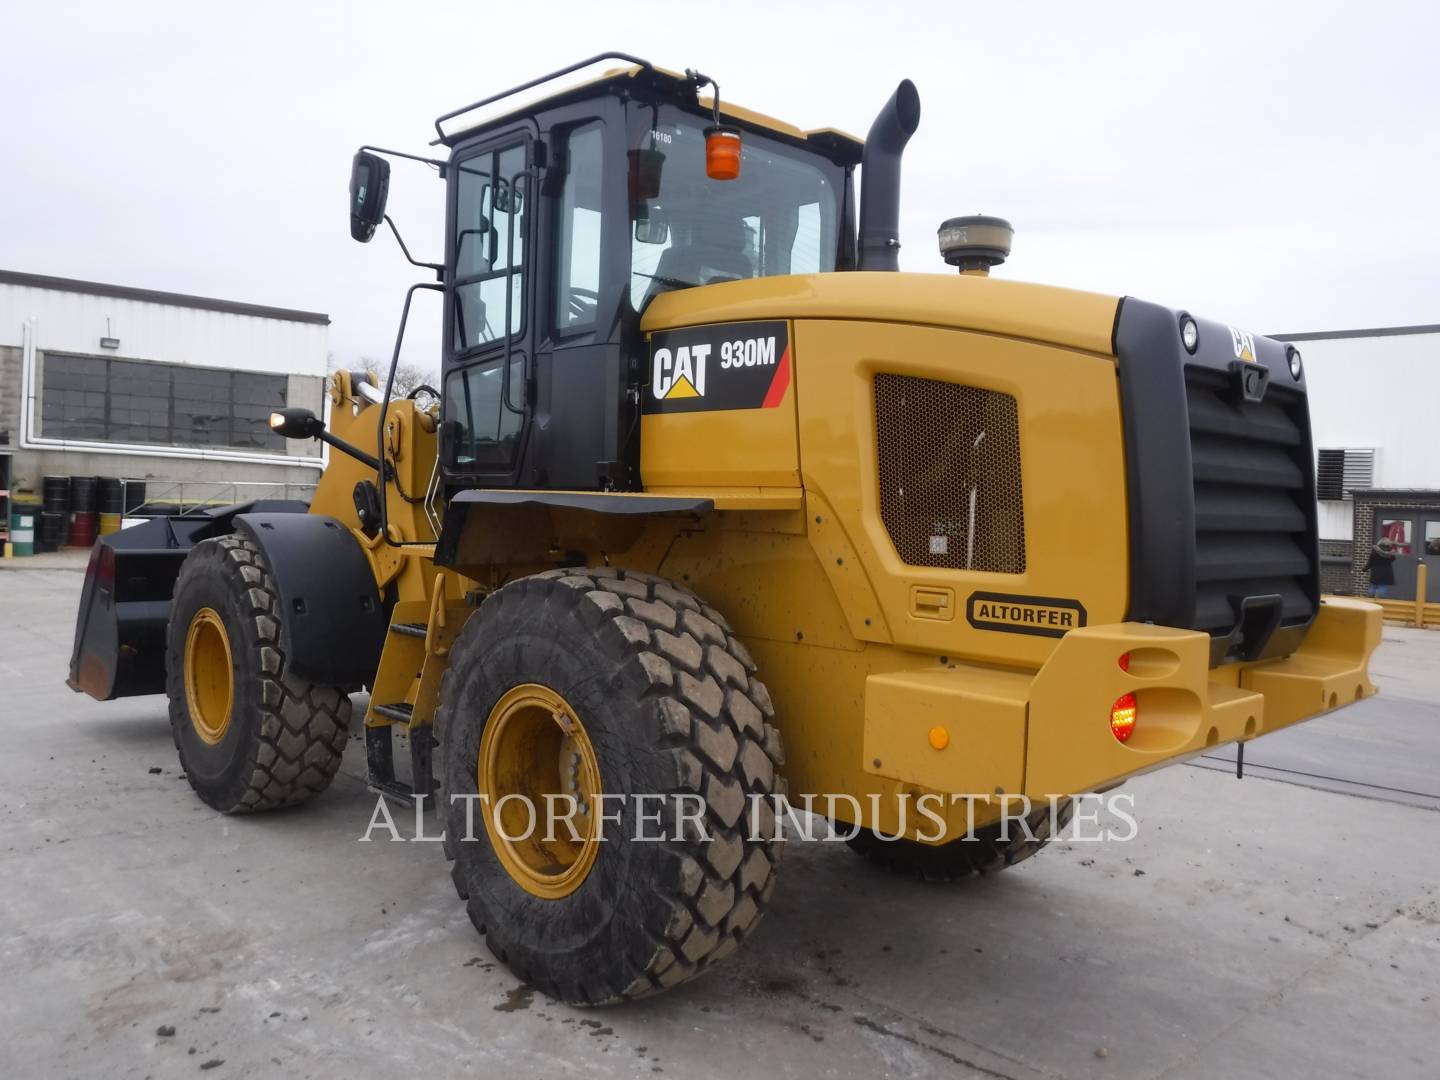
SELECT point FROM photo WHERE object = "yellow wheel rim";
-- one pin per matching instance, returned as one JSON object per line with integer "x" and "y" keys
{"x": 209, "y": 676}
{"x": 534, "y": 754}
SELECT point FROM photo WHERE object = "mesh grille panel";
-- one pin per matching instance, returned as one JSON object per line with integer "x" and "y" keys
{"x": 937, "y": 443}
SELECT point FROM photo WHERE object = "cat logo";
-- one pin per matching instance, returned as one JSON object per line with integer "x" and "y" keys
{"x": 1244, "y": 346}
{"x": 718, "y": 367}
{"x": 679, "y": 373}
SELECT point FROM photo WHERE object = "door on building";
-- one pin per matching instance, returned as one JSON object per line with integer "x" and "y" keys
{"x": 1416, "y": 536}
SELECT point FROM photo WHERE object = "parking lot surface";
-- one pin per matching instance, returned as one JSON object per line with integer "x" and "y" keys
{"x": 1284, "y": 925}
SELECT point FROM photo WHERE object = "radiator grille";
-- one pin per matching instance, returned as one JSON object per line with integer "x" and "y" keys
{"x": 1251, "y": 464}
{"x": 938, "y": 443}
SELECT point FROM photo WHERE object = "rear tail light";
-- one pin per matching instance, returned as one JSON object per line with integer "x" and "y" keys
{"x": 1122, "y": 713}
{"x": 1122, "y": 717}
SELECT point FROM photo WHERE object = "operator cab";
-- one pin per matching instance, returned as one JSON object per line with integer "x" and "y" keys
{"x": 565, "y": 217}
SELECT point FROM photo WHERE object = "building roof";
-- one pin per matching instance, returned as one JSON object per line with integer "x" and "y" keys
{"x": 153, "y": 296}
{"x": 1378, "y": 331}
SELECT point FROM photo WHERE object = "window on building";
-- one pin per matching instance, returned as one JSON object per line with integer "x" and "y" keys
{"x": 101, "y": 399}
{"x": 1339, "y": 472}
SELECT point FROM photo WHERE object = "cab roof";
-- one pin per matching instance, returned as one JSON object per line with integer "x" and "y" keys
{"x": 641, "y": 73}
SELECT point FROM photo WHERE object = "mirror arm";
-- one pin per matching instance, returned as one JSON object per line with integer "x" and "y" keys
{"x": 346, "y": 448}
{"x": 409, "y": 157}
{"x": 439, "y": 270}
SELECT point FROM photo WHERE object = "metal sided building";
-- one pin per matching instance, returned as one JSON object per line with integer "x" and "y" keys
{"x": 165, "y": 388}
{"x": 1372, "y": 411}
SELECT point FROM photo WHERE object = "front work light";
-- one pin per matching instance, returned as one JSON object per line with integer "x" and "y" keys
{"x": 1295, "y": 366}
{"x": 1189, "y": 333}
{"x": 295, "y": 423}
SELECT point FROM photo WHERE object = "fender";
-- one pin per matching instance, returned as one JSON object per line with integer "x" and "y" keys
{"x": 333, "y": 625}
{"x": 618, "y": 503}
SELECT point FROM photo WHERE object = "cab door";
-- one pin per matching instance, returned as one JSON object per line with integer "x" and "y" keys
{"x": 489, "y": 310}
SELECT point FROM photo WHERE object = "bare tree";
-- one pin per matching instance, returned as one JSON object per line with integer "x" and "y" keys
{"x": 408, "y": 377}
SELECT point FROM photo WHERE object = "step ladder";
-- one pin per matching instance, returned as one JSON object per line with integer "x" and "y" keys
{"x": 407, "y": 689}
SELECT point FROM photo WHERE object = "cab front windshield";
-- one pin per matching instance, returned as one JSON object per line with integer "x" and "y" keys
{"x": 777, "y": 217}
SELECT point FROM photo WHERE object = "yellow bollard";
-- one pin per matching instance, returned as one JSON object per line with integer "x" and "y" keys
{"x": 1420, "y": 573}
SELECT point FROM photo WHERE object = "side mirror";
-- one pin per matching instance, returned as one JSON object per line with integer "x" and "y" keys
{"x": 486, "y": 237}
{"x": 651, "y": 231}
{"x": 369, "y": 187}
{"x": 652, "y": 228}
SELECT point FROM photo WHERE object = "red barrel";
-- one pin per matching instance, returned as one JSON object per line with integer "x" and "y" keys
{"x": 83, "y": 525}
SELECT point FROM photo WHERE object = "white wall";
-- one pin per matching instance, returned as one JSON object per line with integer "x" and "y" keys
{"x": 45, "y": 317}
{"x": 75, "y": 322}
{"x": 1379, "y": 392}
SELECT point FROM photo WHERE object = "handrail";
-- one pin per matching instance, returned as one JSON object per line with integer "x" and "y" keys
{"x": 629, "y": 59}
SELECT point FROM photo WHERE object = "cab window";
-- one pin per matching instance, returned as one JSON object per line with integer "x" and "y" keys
{"x": 778, "y": 217}
{"x": 483, "y": 430}
{"x": 489, "y": 247}
{"x": 577, "y": 261}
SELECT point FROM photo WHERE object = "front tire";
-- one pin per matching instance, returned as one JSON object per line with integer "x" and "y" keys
{"x": 657, "y": 699}
{"x": 251, "y": 736}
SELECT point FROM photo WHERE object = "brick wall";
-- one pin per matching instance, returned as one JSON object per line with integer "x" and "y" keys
{"x": 1335, "y": 576}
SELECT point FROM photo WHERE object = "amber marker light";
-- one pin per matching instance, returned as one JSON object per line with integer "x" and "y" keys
{"x": 939, "y": 738}
{"x": 722, "y": 152}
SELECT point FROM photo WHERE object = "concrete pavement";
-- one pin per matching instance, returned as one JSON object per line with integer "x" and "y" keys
{"x": 1252, "y": 928}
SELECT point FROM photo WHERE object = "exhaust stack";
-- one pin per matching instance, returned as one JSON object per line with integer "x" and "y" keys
{"x": 880, "y": 179}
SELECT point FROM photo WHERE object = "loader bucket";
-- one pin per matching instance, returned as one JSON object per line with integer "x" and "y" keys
{"x": 125, "y": 602}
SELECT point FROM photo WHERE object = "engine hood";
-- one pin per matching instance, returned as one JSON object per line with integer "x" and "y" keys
{"x": 1065, "y": 317}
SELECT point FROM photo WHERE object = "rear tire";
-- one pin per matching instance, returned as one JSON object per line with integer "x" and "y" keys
{"x": 985, "y": 853}
{"x": 670, "y": 705}
{"x": 273, "y": 740}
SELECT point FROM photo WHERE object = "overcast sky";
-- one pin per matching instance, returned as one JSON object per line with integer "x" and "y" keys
{"x": 1273, "y": 165}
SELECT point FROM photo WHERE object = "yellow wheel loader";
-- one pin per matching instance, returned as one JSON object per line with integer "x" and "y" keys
{"x": 711, "y": 495}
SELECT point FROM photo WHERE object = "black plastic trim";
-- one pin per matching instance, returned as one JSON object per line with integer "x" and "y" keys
{"x": 597, "y": 502}
{"x": 1155, "y": 417}
{"x": 1267, "y": 450}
